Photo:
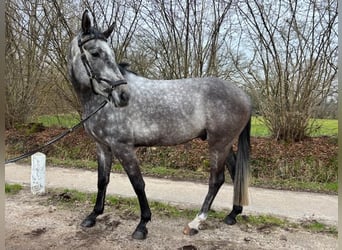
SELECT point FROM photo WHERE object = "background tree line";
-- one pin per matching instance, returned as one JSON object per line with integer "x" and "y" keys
{"x": 283, "y": 52}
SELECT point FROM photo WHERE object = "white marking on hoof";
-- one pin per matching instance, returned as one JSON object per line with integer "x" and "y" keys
{"x": 194, "y": 225}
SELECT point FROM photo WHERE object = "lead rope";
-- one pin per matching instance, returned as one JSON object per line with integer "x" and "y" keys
{"x": 57, "y": 138}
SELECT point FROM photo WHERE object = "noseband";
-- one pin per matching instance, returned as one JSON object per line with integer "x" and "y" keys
{"x": 90, "y": 72}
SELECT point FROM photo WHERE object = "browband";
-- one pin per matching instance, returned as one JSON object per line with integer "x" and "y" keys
{"x": 83, "y": 39}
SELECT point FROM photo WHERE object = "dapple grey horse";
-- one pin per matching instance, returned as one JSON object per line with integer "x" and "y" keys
{"x": 145, "y": 112}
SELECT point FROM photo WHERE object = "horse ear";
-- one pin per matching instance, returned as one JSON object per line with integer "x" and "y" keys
{"x": 86, "y": 23}
{"x": 109, "y": 31}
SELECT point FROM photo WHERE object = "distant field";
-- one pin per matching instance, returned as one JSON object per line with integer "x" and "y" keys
{"x": 326, "y": 127}
{"x": 258, "y": 127}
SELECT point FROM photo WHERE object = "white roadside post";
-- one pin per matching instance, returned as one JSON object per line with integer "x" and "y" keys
{"x": 38, "y": 162}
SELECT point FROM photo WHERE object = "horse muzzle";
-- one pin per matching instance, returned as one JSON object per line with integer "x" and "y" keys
{"x": 115, "y": 91}
{"x": 119, "y": 97}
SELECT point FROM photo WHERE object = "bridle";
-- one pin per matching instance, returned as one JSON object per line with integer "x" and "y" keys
{"x": 90, "y": 72}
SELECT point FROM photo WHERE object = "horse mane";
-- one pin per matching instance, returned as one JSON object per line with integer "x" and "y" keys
{"x": 123, "y": 67}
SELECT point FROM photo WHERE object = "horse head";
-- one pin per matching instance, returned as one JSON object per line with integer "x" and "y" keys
{"x": 92, "y": 66}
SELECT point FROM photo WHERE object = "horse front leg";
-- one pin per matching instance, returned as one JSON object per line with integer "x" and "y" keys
{"x": 129, "y": 161}
{"x": 104, "y": 159}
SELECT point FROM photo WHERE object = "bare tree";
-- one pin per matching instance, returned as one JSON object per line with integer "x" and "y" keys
{"x": 61, "y": 22}
{"x": 26, "y": 52}
{"x": 285, "y": 51}
{"x": 184, "y": 38}
{"x": 38, "y": 37}
{"x": 292, "y": 61}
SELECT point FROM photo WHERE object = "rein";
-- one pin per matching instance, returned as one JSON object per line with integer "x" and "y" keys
{"x": 57, "y": 138}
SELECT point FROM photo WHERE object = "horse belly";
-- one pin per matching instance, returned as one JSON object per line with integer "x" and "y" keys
{"x": 167, "y": 133}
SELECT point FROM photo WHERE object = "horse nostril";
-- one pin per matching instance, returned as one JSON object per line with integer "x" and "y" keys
{"x": 124, "y": 98}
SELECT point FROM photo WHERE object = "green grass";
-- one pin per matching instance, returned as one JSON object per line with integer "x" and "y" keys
{"x": 257, "y": 220}
{"x": 258, "y": 127}
{"x": 70, "y": 197}
{"x": 324, "y": 127}
{"x": 318, "y": 227}
{"x": 12, "y": 188}
{"x": 64, "y": 120}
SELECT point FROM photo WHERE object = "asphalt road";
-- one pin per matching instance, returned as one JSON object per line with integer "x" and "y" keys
{"x": 288, "y": 204}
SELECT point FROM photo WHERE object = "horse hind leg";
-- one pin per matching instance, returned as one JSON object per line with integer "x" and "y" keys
{"x": 104, "y": 158}
{"x": 218, "y": 154}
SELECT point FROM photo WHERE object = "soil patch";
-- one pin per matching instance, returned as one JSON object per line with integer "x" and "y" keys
{"x": 32, "y": 222}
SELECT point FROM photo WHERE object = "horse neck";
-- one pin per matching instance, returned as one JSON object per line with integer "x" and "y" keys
{"x": 90, "y": 101}
{"x": 132, "y": 78}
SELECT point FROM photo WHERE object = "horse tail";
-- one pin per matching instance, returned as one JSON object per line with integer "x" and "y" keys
{"x": 242, "y": 167}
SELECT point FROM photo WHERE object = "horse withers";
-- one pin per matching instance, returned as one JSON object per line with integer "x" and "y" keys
{"x": 145, "y": 112}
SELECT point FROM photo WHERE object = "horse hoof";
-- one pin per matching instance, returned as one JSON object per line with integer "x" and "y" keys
{"x": 230, "y": 221}
{"x": 189, "y": 231}
{"x": 140, "y": 235}
{"x": 88, "y": 223}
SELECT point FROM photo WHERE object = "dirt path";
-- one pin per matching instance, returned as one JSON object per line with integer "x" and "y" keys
{"x": 31, "y": 223}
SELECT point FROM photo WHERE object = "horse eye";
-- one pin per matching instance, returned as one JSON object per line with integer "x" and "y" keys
{"x": 95, "y": 54}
